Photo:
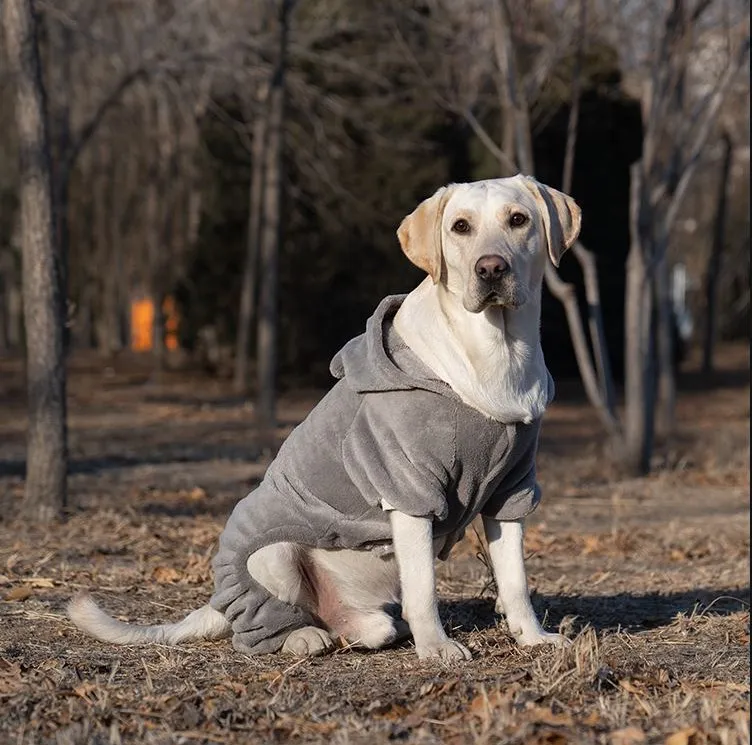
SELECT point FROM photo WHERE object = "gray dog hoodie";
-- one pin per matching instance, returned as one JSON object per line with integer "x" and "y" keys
{"x": 389, "y": 431}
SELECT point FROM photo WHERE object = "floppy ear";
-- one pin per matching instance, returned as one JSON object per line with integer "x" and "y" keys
{"x": 420, "y": 233}
{"x": 561, "y": 217}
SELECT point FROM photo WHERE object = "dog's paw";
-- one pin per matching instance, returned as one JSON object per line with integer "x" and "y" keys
{"x": 448, "y": 650}
{"x": 536, "y": 638}
{"x": 310, "y": 641}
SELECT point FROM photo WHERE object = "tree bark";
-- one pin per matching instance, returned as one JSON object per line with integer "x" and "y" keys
{"x": 253, "y": 236}
{"x": 714, "y": 261}
{"x": 3, "y": 310}
{"x": 59, "y": 134}
{"x": 666, "y": 392}
{"x": 271, "y": 239}
{"x": 511, "y": 90}
{"x": 46, "y": 462}
{"x": 639, "y": 377}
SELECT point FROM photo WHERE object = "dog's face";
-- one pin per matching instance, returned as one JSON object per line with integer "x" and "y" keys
{"x": 487, "y": 241}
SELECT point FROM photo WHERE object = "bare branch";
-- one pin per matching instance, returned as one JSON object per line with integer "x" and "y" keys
{"x": 704, "y": 128}
{"x": 488, "y": 143}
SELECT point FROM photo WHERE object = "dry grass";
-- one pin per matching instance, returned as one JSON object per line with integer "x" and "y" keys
{"x": 649, "y": 576}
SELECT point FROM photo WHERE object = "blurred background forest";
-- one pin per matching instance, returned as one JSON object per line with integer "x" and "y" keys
{"x": 154, "y": 112}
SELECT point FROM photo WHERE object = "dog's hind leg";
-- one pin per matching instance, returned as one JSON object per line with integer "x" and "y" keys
{"x": 280, "y": 568}
{"x": 354, "y": 592}
{"x": 349, "y": 591}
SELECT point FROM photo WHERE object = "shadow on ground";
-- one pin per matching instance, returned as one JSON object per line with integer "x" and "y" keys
{"x": 627, "y": 611}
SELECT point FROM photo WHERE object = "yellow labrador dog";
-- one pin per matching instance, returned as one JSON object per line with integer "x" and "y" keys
{"x": 434, "y": 420}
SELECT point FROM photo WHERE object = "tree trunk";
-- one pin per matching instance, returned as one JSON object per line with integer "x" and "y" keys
{"x": 639, "y": 377}
{"x": 714, "y": 261}
{"x": 8, "y": 288}
{"x": 666, "y": 404}
{"x": 46, "y": 463}
{"x": 4, "y": 346}
{"x": 153, "y": 237}
{"x": 59, "y": 133}
{"x": 15, "y": 309}
{"x": 108, "y": 333}
{"x": 271, "y": 239}
{"x": 585, "y": 258}
{"x": 511, "y": 90}
{"x": 253, "y": 236}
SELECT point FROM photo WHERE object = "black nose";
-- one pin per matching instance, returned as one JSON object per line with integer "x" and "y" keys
{"x": 490, "y": 268}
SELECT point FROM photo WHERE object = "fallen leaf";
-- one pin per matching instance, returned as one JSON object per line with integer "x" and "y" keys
{"x": 165, "y": 575}
{"x": 17, "y": 594}
{"x": 84, "y": 690}
{"x": 391, "y": 712}
{"x": 627, "y": 736}
{"x": 543, "y": 715}
{"x": 196, "y": 494}
{"x": 40, "y": 582}
{"x": 593, "y": 719}
{"x": 10, "y": 677}
{"x": 240, "y": 689}
{"x": 266, "y": 675}
{"x": 681, "y": 737}
{"x": 550, "y": 737}
{"x": 591, "y": 544}
{"x": 485, "y": 702}
{"x": 629, "y": 686}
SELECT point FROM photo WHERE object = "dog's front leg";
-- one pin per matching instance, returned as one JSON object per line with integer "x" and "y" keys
{"x": 413, "y": 547}
{"x": 505, "y": 545}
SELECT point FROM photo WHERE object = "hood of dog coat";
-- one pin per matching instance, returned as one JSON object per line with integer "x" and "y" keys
{"x": 379, "y": 360}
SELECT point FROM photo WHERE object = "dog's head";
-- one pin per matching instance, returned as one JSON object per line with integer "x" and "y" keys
{"x": 487, "y": 241}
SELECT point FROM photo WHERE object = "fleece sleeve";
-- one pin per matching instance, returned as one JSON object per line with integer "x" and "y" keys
{"x": 518, "y": 494}
{"x": 400, "y": 449}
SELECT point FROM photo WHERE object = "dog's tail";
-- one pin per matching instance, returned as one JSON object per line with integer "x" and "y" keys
{"x": 204, "y": 623}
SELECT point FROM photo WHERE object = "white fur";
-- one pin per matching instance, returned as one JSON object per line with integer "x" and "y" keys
{"x": 204, "y": 623}
{"x": 505, "y": 545}
{"x": 413, "y": 546}
{"x": 493, "y": 360}
{"x": 490, "y": 355}
{"x": 276, "y": 567}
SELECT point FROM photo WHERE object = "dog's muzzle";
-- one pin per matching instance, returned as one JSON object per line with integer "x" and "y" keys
{"x": 495, "y": 284}
{"x": 490, "y": 269}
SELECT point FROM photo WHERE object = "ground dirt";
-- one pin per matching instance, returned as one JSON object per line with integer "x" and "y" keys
{"x": 649, "y": 577}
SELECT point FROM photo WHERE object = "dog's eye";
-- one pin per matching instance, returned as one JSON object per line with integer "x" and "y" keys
{"x": 517, "y": 219}
{"x": 461, "y": 226}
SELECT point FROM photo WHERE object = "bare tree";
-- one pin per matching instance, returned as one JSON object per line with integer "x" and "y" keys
{"x": 253, "y": 238}
{"x": 46, "y": 462}
{"x": 271, "y": 233}
{"x": 674, "y": 140}
{"x": 714, "y": 261}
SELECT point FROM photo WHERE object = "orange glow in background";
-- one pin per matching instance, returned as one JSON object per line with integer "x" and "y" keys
{"x": 142, "y": 324}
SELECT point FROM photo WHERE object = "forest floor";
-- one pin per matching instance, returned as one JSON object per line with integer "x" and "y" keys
{"x": 648, "y": 576}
